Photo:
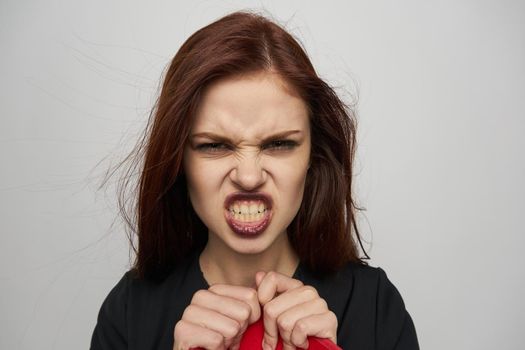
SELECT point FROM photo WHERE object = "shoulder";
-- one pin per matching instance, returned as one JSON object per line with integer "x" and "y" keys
{"x": 111, "y": 329}
{"x": 121, "y": 317}
{"x": 115, "y": 302}
{"x": 372, "y": 281}
{"x": 366, "y": 280}
{"x": 353, "y": 279}
{"x": 133, "y": 294}
{"x": 372, "y": 286}
{"x": 354, "y": 287}
{"x": 369, "y": 308}
{"x": 376, "y": 299}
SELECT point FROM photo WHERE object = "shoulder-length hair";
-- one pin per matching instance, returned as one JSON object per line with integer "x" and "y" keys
{"x": 324, "y": 232}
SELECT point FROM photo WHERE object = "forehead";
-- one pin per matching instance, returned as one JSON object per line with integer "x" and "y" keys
{"x": 250, "y": 106}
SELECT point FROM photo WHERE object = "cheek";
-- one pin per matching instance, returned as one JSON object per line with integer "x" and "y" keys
{"x": 198, "y": 186}
{"x": 195, "y": 180}
{"x": 299, "y": 188}
{"x": 204, "y": 179}
{"x": 297, "y": 176}
{"x": 290, "y": 178}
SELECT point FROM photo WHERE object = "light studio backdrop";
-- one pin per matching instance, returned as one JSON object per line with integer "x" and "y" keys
{"x": 440, "y": 167}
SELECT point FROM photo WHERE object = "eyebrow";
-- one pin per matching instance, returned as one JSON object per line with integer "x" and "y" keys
{"x": 213, "y": 136}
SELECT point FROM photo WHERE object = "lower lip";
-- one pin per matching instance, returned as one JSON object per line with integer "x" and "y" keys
{"x": 248, "y": 229}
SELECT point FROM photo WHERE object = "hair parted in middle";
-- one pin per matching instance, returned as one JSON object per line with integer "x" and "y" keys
{"x": 324, "y": 232}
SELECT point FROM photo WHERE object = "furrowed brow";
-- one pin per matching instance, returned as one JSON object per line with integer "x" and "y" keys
{"x": 211, "y": 136}
{"x": 281, "y": 135}
{"x": 217, "y": 137}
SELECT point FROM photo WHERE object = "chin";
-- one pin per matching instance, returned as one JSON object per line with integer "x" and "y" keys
{"x": 248, "y": 247}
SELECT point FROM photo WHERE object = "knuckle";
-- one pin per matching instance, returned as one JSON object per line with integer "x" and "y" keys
{"x": 181, "y": 345}
{"x": 232, "y": 330}
{"x": 189, "y": 310}
{"x": 179, "y": 329}
{"x": 309, "y": 291}
{"x": 285, "y": 323}
{"x": 216, "y": 340}
{"x": 181, "y": 335}
{"x": 301, "y": 326}
{"x": 270, "y": 312}
{"x": 333, "y": 318}
{"x": 272, "y": 276}
{"x": 199, "y": 296}
{"x": 251, "y": 294}
{"x": 322, "y": 303}
{"x": 245, "y": 312}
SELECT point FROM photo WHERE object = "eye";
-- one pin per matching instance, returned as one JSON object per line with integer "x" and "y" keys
{"x": 212, "y": 147}
{"x": 280, "y": 145}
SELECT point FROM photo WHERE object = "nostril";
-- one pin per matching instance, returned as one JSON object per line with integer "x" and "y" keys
{"x": 248, "y": 175}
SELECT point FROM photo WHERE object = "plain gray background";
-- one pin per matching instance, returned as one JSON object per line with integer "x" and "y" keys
{"x": 440, "y": 165}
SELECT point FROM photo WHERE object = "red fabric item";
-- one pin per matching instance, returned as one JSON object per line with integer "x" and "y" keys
{"x": 253, "y": 337}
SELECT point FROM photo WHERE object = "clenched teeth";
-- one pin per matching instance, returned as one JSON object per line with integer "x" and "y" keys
{"x": 246, "y": 211}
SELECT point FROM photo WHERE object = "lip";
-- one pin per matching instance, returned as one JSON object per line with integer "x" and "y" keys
{"x": 251, "y": 229}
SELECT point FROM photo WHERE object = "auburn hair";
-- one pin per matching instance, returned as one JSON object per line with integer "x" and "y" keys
{"x": 164, "y": 228}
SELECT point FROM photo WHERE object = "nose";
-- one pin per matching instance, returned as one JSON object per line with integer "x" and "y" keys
{"x": 248, "y": 173}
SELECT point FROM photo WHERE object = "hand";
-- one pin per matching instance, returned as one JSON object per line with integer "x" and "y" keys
{"x": 295, "y": 313}
{"x": 217, "y": 318}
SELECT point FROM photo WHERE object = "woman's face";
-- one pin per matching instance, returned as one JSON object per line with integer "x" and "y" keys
{"x": 246, "y": 161}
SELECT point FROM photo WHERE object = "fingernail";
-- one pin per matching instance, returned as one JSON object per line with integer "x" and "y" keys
{"x": 266, "y": 346}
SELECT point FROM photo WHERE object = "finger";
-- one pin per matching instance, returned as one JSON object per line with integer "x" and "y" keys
{"x": 288, "y": 319}
{"x": 247, "y": 295}
{"x": 270, "y": 339}
{"x": 288, "y": 346}
{"x": 225, "y": 305}
{"x": 294, "y": 297}
{"x": 258, "y": 277}
{"x": 322, "y": 326}
{"x": 280, "y": 304}
{"x": 236, "y": 342}
{"x": 214, "y": 321}
{"x": 273, "y": 283}
{"x": 188, "y": 335}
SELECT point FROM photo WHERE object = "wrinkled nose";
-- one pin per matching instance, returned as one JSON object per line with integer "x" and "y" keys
{"x": 248, "y": 174}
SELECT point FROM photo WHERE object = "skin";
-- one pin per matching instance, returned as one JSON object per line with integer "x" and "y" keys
{"x": 251, "y": 133}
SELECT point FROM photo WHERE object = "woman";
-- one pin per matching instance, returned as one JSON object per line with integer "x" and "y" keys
{"x": 245, "y": 208}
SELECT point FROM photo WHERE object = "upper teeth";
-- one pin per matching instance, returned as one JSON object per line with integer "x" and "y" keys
{"x": 247, "y": 207}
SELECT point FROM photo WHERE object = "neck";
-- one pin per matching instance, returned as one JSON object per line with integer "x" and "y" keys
{"x": 220, "y": 264}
